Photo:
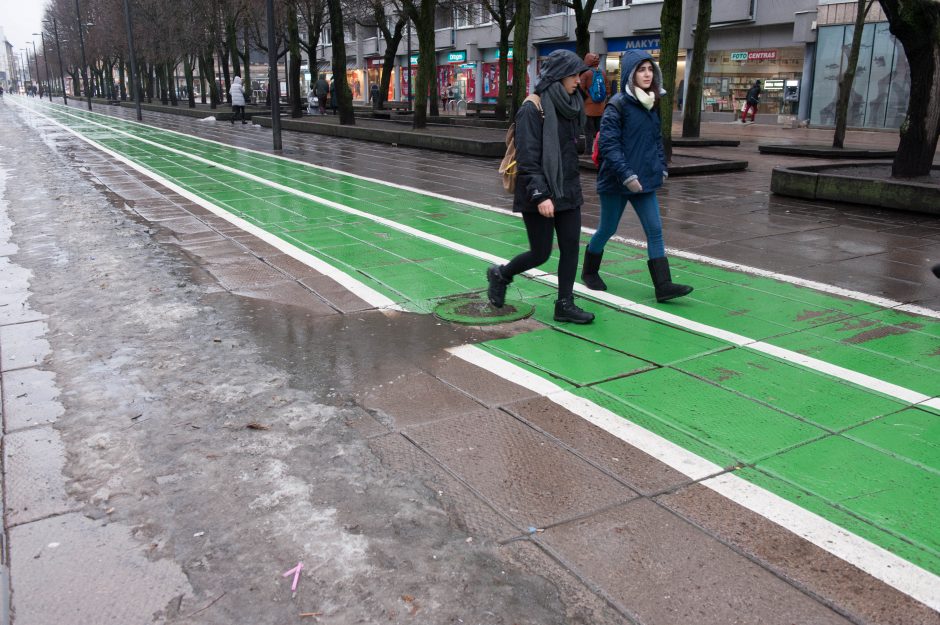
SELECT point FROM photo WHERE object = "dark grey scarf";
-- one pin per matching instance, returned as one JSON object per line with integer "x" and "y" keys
{"x": 555, "y": 102}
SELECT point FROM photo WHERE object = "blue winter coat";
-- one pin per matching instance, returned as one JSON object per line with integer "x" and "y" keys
{"x": 631, "y": 141}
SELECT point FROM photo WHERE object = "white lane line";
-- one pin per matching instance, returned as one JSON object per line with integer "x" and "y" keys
{"x": 860, "y": 379}
{"x": 710, "y": 260}
{"x": 363, "y": 291}
{"x": 878, "y": 562}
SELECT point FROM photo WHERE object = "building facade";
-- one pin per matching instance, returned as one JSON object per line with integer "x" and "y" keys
{"x": 796, "y": 48}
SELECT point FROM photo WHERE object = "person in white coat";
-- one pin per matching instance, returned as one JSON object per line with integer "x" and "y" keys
{"x": 238, "y": 99}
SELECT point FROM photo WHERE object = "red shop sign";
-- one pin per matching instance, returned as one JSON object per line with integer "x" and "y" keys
{"x": 375, "y": 63}
{"x": 761, "y": 55}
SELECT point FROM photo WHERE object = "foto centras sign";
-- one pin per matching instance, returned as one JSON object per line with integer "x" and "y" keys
{"x": 754, "y": 55}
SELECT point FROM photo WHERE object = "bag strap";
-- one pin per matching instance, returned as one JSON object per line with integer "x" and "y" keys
{"x": 536, "y": 100}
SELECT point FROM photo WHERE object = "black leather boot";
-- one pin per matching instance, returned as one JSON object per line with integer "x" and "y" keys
{"x": 496, "y": 292}
{"x": 566, "y": 310}
{"x": 666, "y": 289}
{"x": 589, "y": 275}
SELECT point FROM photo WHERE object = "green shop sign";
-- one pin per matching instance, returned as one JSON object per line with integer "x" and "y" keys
{"x": 414, "y": 59}
{"x": 508, "y": 55}
{"x": 739, "y": 56}
{"x": 457, "y": 57}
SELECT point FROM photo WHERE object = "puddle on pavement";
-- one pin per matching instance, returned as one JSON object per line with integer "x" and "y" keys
{"x": 341, "y": 354}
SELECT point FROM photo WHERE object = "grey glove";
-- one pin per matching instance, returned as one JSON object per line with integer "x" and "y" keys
{"x": 633, "y": 184}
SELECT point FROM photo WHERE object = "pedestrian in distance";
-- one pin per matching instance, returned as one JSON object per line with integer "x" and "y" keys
{"x": 751, "y": 100}
{"x": 548, "y": 187}
{"x": 374, "y": 95}
{"x": 594, "y": 89}
{"x": 333, "y": 100}
{"x": 321, "y": 89}
{"x": 238, "y": 100}
{"x": 632, "y": 168}
{"x": 313, "y": 106}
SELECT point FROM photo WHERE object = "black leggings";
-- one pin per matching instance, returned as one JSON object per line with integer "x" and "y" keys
{"x": 541, "y": 232}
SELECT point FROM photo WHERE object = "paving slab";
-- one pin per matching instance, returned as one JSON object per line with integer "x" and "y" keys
{"x": 860, "y": 596}
{"x": 665, "y": 571}
{"x": 34, "y": 460}
{"x": 29, "y": 399}
{"x": 22, "y": 345}
{"x": 72, "y": 569}
{"x": 528, "y": 477}
{"x": 416, "y": 397}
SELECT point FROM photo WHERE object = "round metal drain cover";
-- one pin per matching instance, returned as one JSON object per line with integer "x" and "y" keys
{"x": 475, "y": 311}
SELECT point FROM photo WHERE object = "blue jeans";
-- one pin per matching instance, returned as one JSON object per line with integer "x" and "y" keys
{"x": 647, "y": 209}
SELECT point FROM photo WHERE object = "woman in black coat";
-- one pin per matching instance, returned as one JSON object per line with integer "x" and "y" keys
{"x": 548, "y": 188}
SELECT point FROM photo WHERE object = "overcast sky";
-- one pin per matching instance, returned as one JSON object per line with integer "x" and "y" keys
{"x": 20, "y": 19}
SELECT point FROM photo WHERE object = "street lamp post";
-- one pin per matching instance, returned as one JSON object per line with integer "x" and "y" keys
{"x": 24, "y": 68}
{"x": 130, "y": 42}
{"x": 81, "y": 42}
{"x": 58, "y": 49}
{"x": 36, "y": 63}
{"x": 45, "y": 60}
{"x": 272, "y": 80}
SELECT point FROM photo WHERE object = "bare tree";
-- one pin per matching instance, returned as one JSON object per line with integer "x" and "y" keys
{"x": 848, "y": 76}
{"x": 422, "y": 13}
{"x": 389, "y": 19}
{"x": 583, "y": 10}
{"x": 916, "y": 24}
{"x": 692, "y": 115}
{"x": 503, "y": 13}
{"x": 670, "y": 19}
{"x": 520, "y": 60}
{"x": 342, "y": 93}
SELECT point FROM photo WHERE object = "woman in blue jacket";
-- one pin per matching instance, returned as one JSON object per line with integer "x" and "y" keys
{"x": 633, "y": 166}
{"x": 548, "y": 187}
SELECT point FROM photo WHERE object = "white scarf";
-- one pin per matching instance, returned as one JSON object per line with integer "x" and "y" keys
{"x": 644, "y": 98}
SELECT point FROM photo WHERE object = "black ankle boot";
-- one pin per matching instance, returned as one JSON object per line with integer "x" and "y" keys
{"x": 496, "y": 292}
{"x": 666, "y": 289}
{"x": 565, "y": 310}
{"x": 589, "y": 275}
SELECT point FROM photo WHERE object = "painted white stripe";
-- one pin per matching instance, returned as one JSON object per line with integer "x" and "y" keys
{"x": 818, "y": 286}
{"x": 861, "y": 379}
{"x": 359, "y": 289}
{"x": 894, "y": 571}
{"x": 867, "y": 556}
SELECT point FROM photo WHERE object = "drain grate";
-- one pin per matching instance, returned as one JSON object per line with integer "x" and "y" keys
{"x": 474, "y": 310}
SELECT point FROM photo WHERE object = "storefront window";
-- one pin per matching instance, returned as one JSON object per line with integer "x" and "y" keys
{"x": 730, "y": 73}
{"x": 882, "y": 81}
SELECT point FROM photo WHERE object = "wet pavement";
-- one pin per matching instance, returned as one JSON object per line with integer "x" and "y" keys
{"x": 147, "y": 333}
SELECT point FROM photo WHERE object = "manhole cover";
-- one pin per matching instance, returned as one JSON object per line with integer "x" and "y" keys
{"x": 477, "y": 311}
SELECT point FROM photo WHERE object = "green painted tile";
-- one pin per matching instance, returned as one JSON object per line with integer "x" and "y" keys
{"x": 776, "y": 309}
{"x": 362, "y": 256}
{"x": 562, "y": 384}
{"x": 899, "y": 546}
{"x": 816, "y": 397}
{"x": 568, "y": 357}
{"x": 634, "y": 335}
{"x": 657, "y": 426}
{"x": 738, "y": 426}
{"x": 413, "y": 281}
{"x": 912, "y": 435}
{"x": 885, "y": 491}
{"x": 853, "y": 357}
{"x": 904, "y": 342}
{"x": 920, "y": 323}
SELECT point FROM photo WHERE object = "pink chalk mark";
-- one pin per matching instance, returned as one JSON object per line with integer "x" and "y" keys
{"x": 296, "y": 572}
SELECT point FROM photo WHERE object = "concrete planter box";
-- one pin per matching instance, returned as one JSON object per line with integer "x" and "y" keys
{"x": 814, "y": 182}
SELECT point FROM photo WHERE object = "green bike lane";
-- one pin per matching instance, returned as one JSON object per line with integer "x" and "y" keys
{"x": 857, "y": 453}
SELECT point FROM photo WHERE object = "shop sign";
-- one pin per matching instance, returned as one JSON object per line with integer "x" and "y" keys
{"x": 762, "y": 55}
{"x": 622, "y": 44}
{"x": 377, "y": 62}
{"x": 414, "y": 59}
{"x": 773, "y": 84}
{"x": 508, "y": 56}
{"x": 457, "y": 57}
{"x": 467, "y": 66}
{"x": 739, "y": 56}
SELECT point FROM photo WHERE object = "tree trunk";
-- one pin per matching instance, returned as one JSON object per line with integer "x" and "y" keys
{"x": 670, "y": 19}
{"x": 171, "y": 75}
{"x": 388, "y": 64}
{"x": 226, "y": 76}
{"x": 343, "y": 95}
{"x": 520, "y": 51}
{"x": 208, "y": 61}
{"x": 692, "y": 115}
{"x": 188, "y": 62}
{"x": 202, "y": 79}
{"x": 848, "y": 76}
{"x": 151, "y": 82}
{"x": 503, "y": 71}
{"x": 916, "y": 24}
{"x": 246, "y": 57}
{"x": 582, "y": 20}
{"x": 293, "y": 72}
{"x": 122, "y": 83}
